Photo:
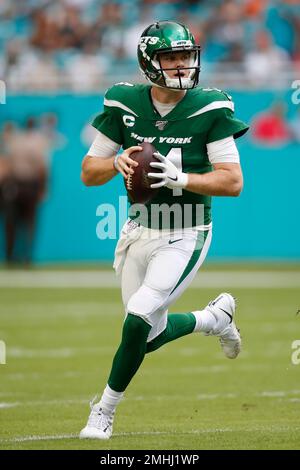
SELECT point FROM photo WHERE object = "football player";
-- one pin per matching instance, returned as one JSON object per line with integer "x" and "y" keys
{"x": 194, "y": 132}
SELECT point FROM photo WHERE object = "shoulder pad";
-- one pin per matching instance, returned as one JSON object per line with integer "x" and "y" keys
{"x": 202, "y": 100}
{"x": 214, "y": 94}
{"x": 118, "y": 90}
{"x": 124, "y": 96}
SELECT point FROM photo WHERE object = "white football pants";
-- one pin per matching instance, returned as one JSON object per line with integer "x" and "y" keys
{"x": 156, "y": 267}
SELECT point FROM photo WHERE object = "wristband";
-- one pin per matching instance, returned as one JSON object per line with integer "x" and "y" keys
{"x": 183, "y": 179}
{"x": 116, "y": 163}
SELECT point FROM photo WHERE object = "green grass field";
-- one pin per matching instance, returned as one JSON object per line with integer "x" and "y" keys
{"x": 60, "y": 344}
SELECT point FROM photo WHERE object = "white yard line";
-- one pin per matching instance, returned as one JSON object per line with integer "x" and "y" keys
{"x": 8, "y": 405}
{"x": 120, "y": 434}
{"x": 107, "y": 279}
{"x": 290, "y": 395}
{"x": 21, "y": 353}
{"x": 44, "y": 403}
{"x": 271, "y": 429}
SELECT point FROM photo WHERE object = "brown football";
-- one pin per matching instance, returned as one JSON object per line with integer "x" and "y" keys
{"x": 138, "y": 184}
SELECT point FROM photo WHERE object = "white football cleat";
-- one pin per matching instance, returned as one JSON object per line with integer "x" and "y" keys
{"x": 99, "y": 425}
{"x": 223, "y": 309}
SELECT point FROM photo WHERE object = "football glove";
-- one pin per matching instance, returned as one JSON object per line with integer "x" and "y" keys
{"x": 170, "y": 176}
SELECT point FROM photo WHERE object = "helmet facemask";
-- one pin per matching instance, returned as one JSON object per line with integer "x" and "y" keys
{"x": 182, "y": 80}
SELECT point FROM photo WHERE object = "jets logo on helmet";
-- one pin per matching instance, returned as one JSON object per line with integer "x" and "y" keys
{"x": 168, "y": 37}
{"x": 149, "y": 39}
{"x": 144, "y": 40}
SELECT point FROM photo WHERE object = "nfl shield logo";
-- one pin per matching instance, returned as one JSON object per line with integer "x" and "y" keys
{"x": 161, "y": 125}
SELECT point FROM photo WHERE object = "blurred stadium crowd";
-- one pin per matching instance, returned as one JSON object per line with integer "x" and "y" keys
{"x": 25, "y": 152}
{"x": 86, "y": 45}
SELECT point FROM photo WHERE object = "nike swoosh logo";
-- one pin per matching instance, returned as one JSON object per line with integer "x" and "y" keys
{"x": 173, "y": 179}
{"x": 174, "y": 241}
{"x": 216, "y": 300}
{"x": 230, "y": 316}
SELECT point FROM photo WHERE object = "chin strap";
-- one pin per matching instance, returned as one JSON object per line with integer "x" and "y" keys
{"x": 175, "y": 83}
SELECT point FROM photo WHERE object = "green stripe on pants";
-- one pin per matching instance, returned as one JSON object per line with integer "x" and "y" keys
{"x": 201, "y": 237}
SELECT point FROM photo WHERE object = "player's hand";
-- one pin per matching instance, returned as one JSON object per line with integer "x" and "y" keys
{"x": 124, "y": 164}
{"x": 170, "y": 176}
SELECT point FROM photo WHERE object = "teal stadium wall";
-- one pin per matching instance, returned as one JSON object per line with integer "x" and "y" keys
{"x": 262, "y": 224}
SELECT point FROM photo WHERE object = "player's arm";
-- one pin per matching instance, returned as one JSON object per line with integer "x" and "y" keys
{"x": 102, "y": 163}
{"x": 225, "y": 180}
{"x": 96, "y": 171}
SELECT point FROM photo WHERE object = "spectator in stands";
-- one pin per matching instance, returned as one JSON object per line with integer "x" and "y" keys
{"x": 45, "y": 34}
{"x": 295, "y": 20}
{"x": 4, "y": 178}
{"x": 271, "y": 127}
{"x": 26, "y": 152}
{"x": 28, "y": 68}
{"x": 255, "y": 8}
{"x": 40, "y": 38}
{"x": 234, "y": 59}
{"x": 48, "y": 128}
{"x": 7, "y": 186}
{"x": 134, "y": 30}
{"x": 223, "y": 28}
{"x": 72, "y": 31}
{"x": 266, "y": 61}
{"x": 85, "y": 70}
{"x": 111, "y": 28}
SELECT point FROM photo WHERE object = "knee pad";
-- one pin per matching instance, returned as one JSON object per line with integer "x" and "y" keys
{"x": 146, "y": 301}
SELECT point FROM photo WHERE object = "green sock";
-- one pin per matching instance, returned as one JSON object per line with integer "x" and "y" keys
{"x": 179, "y": 324}
{"x": 130, "y": 353}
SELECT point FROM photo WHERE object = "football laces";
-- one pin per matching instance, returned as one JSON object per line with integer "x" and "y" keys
{"x": 129, "y": 182}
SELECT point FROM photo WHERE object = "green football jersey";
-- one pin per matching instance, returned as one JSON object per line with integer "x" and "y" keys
{"x": 204, "y": 115}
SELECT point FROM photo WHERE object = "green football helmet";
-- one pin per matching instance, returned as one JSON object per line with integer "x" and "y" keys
{"x": 166, "y": 37}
